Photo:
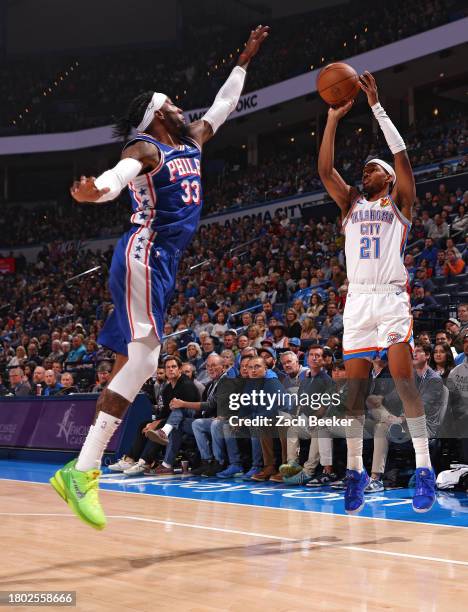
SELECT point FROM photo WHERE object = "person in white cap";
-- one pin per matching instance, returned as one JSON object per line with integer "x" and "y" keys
{"x": 377, "y": 316}
{"x": 161, "y": 166}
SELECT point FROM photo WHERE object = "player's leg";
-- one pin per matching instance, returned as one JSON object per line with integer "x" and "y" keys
{"x": 359, "y": 347}
{"x": 77, "y": 482}
{"x": 120, "y": 361}
{"x": 401, "y": 368}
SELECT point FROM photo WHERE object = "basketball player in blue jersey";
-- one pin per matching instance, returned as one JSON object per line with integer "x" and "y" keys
{"x": 377, "y": 314}
{"x": 161, "y": 167}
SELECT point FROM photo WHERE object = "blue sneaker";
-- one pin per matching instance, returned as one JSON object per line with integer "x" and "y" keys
{"x": 356, "y": 484}
{"x": 424, "y": 492}
{"x": 298, "y": 479}
{"x": 232, "y": 471}
{"x": 254, "y": 470}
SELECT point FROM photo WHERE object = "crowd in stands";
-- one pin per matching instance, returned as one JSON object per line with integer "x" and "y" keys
{"x": 99, "y": 85}
{"x": 278, "y": 299}
{"x": 292, "y": 172}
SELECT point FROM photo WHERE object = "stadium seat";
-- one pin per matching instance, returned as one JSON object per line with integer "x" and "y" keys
{"x": 462, "y": 297}
{"x": 439, "y": 281}
{"x": 443, "y": 299}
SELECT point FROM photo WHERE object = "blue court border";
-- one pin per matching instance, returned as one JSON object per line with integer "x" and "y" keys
{"x": 451, "y": 509}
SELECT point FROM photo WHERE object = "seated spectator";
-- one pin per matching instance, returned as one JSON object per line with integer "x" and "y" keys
{"x": 38, "y": 381}
{"x": 254, "y": 335}
{"x": 442, "y": 360}
{"x": 293, "y": 326}
{"x": 220, "y": 326}
{"x": 445, "y": 337}
{"x": 194, "y": 355}
{"x": 429, "y": 253}
{"x": 439, "y": 269}
{"x": 454, "y": 265}
{"x": 258, "y": 369}
{"x": 459, "y": 334}
{"x": 190, "y": 372}
{"x": 103, "y": 374}
{"x": 333, "y": 324}
{"x": 77, "y": 351}
{"x": 457, "y": 384}
{"x": 422, "y": 278}
{"x": 460, "y": 223}
{"x": 144, "y": 452}
{"x": 204, "y": 325}
{"x": 280, "y": 340}
{"x": 384, "y": 409}
{"x": 316, "y": 305}
{"x": 57, "y": 353}
{"x": 309, "y": 331}
{"x": 18, "y": 387}
{"x": 18, "y": 359}
{"x": 315, "y": 381}
{"x": 230, "y": 341}
{"x": 68, "y": 384}
{"x": 228, "y": 359}
{"x": 429, "y": 384}
{"x": 180, "y": 420}
{"x": 91, "y": 352}
{"x": 439, "y": 230}
{"x": 293, "y": 371}
{"x": 52, "y": 386}
{"x": 422, "y": 301}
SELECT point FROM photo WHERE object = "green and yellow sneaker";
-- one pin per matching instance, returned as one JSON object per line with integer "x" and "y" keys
{"x": 290, "y": 469}
{"x": 80, "y": 491}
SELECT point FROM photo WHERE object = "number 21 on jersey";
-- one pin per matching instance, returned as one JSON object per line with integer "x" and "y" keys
{"x": 370, "y": 248}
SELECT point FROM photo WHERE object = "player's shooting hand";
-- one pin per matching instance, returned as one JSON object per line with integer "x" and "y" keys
{"x": 85, "y": 190}
{"x": 252, "y": 46}
{"x": 339, "y": 112}
{"x": 369, "y": 87}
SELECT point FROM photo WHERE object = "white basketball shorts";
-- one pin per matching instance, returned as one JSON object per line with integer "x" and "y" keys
{"x": 374, "y": 318}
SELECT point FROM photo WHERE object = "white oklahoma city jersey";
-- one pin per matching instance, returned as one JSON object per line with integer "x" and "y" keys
{"x": 377, "y": 312}
{"x": 376, "y": 234}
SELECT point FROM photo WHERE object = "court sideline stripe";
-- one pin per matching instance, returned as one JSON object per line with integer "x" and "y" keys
{"x": 213, "y": 501}
{"x": 256, "y": 535}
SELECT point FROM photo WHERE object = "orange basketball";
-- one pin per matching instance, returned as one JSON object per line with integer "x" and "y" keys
{"x": 337, "y": 83}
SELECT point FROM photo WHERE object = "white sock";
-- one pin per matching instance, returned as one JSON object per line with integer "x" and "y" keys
{"x": 166, "y": 465}
{"x": 96, "y": 442}
{"x": 167, "y": 430}
{"x": 418, "y": 430}
{"x": 354, "y": 435}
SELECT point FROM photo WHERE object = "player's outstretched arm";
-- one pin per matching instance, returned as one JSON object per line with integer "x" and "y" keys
{"x": 404, "y": 191}
{"x": 108, "y": 185}
{"x": 229, "y": 94}
{"x": 338, "y": 189}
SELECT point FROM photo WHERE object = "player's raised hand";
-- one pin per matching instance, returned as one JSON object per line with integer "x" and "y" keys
{"x": 369, "y": 87}
{"x": 85, "y": 190}
{"x": 339, "y": 112}
{"x": 252, "y": 46}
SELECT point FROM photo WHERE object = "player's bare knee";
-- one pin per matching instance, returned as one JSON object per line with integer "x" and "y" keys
{"x": 112, "y": 403}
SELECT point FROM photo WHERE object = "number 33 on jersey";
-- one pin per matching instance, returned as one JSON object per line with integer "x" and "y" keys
{"x": 168, "y": 200}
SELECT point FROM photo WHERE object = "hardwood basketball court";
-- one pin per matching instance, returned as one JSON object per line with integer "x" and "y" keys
{"x": 166, "y": 552}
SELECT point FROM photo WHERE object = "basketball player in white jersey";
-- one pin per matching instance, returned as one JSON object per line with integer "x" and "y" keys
{"x": 377, "y": 315}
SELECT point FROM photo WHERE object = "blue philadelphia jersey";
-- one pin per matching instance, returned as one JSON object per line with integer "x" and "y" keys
{"x": 166, "y": 205}
{"x": 169, "y": 199}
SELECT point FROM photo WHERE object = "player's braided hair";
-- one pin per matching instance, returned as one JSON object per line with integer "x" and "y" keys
{"x": 136, "y": 110}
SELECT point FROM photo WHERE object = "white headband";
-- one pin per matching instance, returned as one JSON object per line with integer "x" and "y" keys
{"x": 154, "y": 105}
{"x": 383, "y": 164}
